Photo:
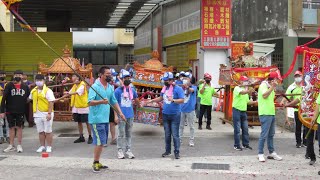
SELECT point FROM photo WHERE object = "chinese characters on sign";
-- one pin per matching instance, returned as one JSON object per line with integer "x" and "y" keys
{"x": 216, "y": 24}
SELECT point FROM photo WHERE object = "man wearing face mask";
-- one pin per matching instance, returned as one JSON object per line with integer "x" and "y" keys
{"x": 267, "y": 110}
{"x": 239, "y": 113}
{"x": 99, "y": 112}
{"x": 206, "y": 93}
{"x": 172, "y": 97}
{"x": 181, "y": 76}
{"x": 13, "y": 103}
{"x": 125, "y": 96}
{"x": 296, "y": 88}
{"x": 188, "y": 107}
{"x": 115, "y": 83}
{"x": 80, "y": 108}
{"x": 43, "y": 100}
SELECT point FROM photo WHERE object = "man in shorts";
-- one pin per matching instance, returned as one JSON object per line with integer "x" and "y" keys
{"x": 43, "y": 100}
{"x": 13, "y": 103}
{"x": 80, "y": 107}
{"x": 99, "y": 113}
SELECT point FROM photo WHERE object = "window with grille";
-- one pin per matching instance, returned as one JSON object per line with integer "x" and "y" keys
{"x": 128, "y": 58}
{"x": 277, "y": 60}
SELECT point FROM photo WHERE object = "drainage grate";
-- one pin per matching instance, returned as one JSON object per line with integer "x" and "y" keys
{"x": 69, "y": 135}
{"x": 210, "y": 166}
{"x": 2, "y": 158}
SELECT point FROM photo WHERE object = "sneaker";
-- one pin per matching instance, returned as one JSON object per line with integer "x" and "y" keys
{"x": 306, "y": 156}
{"x": 304, "y": 145}
{"x": 120, "y": 154}
{"x": 166, "y": 154}
{"x": 80, "y": 140}
{"x": 8, "y": 140}
{"x": 41, "y": 149}
{"x": 237, "y": 148}
{"x": 312, "y": 162}
{"x": 261, "y": 158}
{"x": 114, "y": 142}
{"x": 191, "y": 143}
{"x": 177, "y": 155}
{"x": 275, "y": 156}
{"x": 298, "y": 146}
{"x": 1, "y": 140}
{"x": 200, "y": 128}
{"x": 129, "y": 154}
{"x": 19, "y": 149}
{"x": 96, "y": 167}
{"x": 90, "y": 140}
{"x": 102, "y": 166}
{"x": 209, "y": 128}
{"x": 49, "y": 149}
{"x": 10, "y": 148}
{"x": 105, "y": 145}
{"x": 247, "y": 147}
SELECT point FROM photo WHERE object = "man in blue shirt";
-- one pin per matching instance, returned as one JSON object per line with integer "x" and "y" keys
{"x": 181, "y": 76}
{"x": 172, "y": 97}
{"x": 188, "y": 107}
{"x": 125, "y": 96}
{"x": 99, "y": 113}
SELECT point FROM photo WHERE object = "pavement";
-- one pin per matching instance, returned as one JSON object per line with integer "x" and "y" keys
{"x": 73, "y": 161}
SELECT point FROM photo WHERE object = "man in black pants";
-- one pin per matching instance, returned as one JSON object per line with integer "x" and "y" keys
{"x": 13, "y": 104}
{"x": 296, "y": 88}
{"x": 310, "y": 139}
{"x": 206, "y": 92}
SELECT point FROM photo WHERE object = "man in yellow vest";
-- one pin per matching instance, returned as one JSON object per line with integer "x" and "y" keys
{"x": 43, "y": 100}
{"x": 4, "y": 133}
{"x": 80, "y": 107}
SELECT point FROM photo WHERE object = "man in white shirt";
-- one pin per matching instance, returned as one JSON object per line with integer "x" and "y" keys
{"x": 43, "y": 100}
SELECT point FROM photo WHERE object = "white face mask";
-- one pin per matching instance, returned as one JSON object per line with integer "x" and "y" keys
{"x": 39, "y": 83}
{"x": 185, "y": 81}
{"x": 298, "y": 79}
{"x": 181, "y": 78}
{"x": 114, "y": 78}
{"x": 245, "y": 83}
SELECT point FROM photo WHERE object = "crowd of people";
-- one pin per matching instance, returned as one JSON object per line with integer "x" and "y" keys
{"x": 110, "y": 101}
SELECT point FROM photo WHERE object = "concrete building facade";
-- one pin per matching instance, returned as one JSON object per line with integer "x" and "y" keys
{"x": 174, "y": 29}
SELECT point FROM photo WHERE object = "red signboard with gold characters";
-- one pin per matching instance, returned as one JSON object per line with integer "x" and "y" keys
{"x": 216, "y": 24}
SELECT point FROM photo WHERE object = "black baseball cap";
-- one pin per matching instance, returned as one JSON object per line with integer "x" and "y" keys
{"x": 39, "y": 77}
{"x": 18, "y": 72}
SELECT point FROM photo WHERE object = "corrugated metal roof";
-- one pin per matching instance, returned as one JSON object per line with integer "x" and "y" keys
{"x": 93, "y": 13}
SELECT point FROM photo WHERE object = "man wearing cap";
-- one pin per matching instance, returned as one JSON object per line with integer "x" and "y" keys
{"x": 4, "y": 133}
{"x": 43, "y": 100}
{"x": 13, "y": 104}
{"x": 80, "y": 107}
{"x": 125, "y": 96}
{"x": 193, "y": 79}
{"x": 188, "y": 107}
{"x": 266, "y": 110}
{"x": 115, "y": 83}
{"x": 296, "y": 88}
{"x": 181, "y": 76}
{"x": 172, "y": 97}
{"x": 99, "y": 113}
{"x": 206, "y": 92}
{"x": 239, "y": 113}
